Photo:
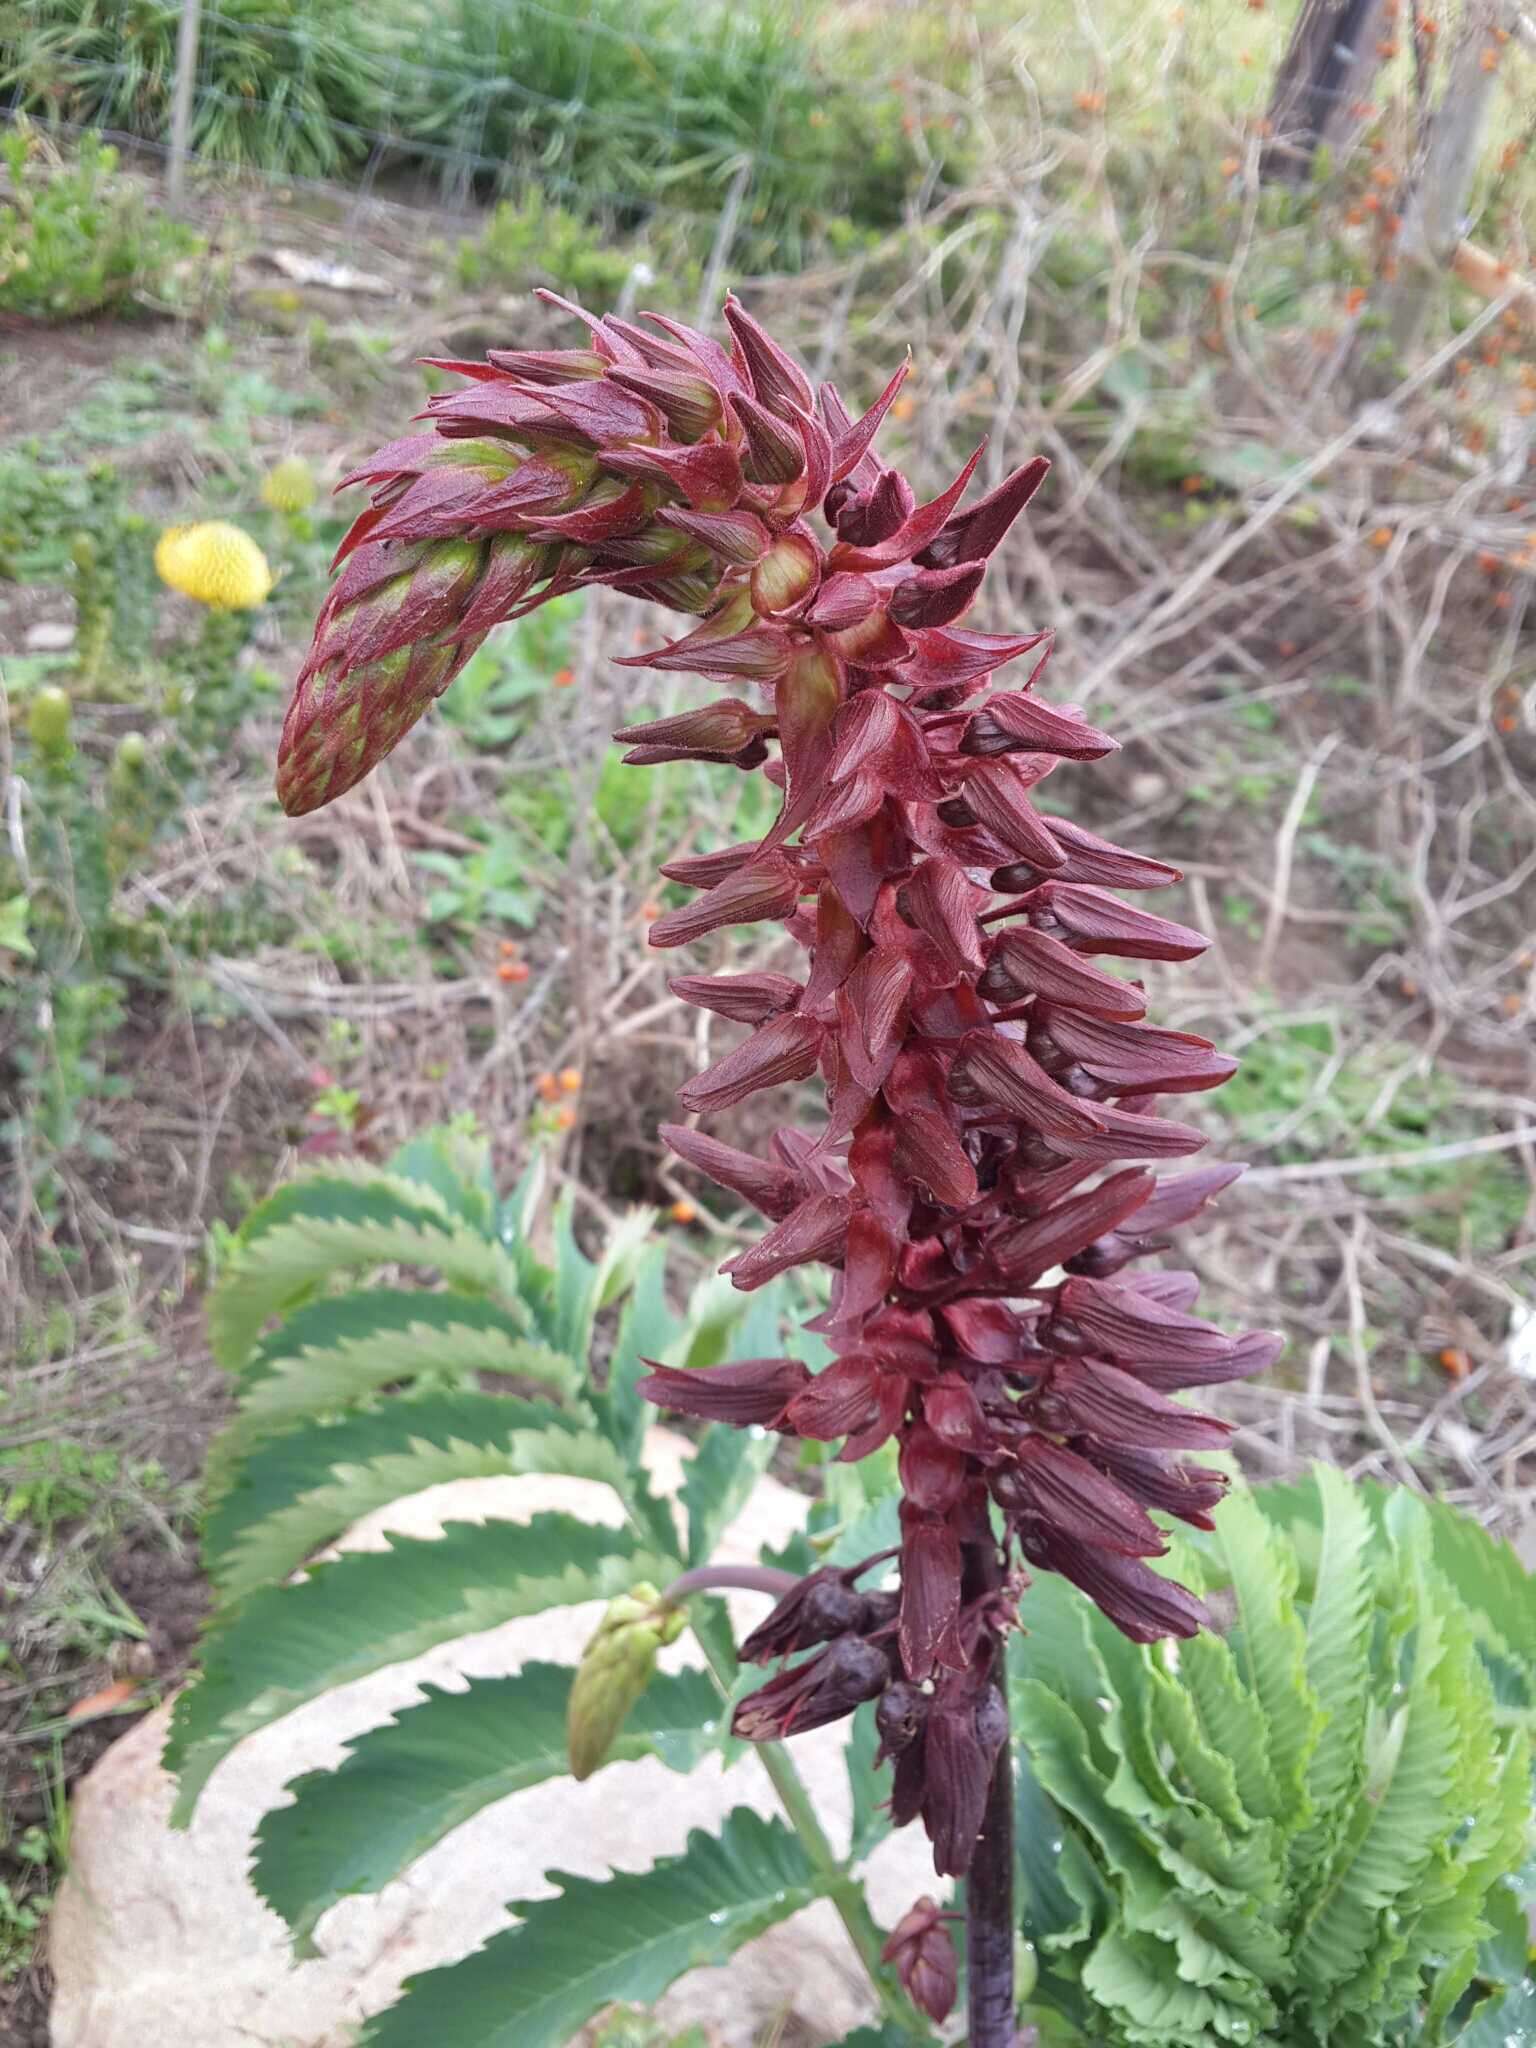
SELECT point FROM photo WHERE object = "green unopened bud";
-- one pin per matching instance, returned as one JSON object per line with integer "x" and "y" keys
{"x": 48, "y": 721}
{"x": 131, "y": 752}
{"x": 614, "y": 1671}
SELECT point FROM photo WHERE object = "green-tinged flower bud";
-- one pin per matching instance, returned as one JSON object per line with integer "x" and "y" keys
{"x": 615, "y": 1669}
{"x": 289, "y": 486}
{"x": 785, "y": 574}
{"x": 406, "y": 622}
{"x": 48, "y": 721}
{"x": 131, "y": 753}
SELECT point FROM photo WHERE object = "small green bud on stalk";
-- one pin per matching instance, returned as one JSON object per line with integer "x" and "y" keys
{"x": 48, "y": 721}
{"x": 131, "y": 752}
{"x": 614, "y": 1671}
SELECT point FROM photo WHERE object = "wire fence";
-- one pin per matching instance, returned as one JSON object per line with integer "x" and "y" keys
{"x": 629, "y": 113}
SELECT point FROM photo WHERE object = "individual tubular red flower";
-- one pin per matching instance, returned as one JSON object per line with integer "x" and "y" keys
{"x": 979, "y": 1186}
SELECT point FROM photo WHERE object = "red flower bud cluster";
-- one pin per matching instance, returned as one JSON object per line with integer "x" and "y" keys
{"x": 981, "y": 1183}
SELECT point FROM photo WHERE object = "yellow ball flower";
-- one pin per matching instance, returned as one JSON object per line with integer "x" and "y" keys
{"x": 215, "y": 563}
{"x": 289, "y": 486}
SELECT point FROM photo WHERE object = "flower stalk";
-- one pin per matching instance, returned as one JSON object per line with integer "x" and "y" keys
{"x": 985, "y": 1173}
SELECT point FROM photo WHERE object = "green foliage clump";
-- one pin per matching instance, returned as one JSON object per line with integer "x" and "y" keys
{"x": 76, "y": 237}
{"x": 529, "y": 240}
{"x": 283, "y": 85}
{"x": 1301, "y": 1831}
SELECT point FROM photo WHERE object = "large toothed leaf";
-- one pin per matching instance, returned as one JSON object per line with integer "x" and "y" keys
{"x": 346, "y": 1219}
{"x": 624, "y": 1939}
{"x": 296, "y": 1492}
{"x": 288, "y": 1644}
{"x": 1338, "y": 1664}
{"x": 404, "y": 1786}
{"x": 1271, "y": 1646}
{"x": 328, "y": 1356}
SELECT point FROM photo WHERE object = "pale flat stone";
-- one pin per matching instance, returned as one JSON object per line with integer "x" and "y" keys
{"x": 157, "y": 1936}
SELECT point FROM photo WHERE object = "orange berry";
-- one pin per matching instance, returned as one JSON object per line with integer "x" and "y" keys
{"x": 1354, "y": 299}
{"x": 1371, "y": 203}
{"x": 904, "y": 409}
{"x": 548, "y": 1088}
{"x": 1389, "y": 270}
{"x": 1230, "y": 166}
{"x": 1386, "y": 48}
{"x": 1090, "y": 102}
{"x": 1382, "y": 537}
{"x": 1286, "y": 649}
{"x": 509, "y": 949}
{"x": 1219, "y": 291}
{"x": 512, "y": 970}
{"x": 1264, "y": 126}
{"x": 1190, "y": 484}
{"x": 1489, "y": 60}
{"x": 1427, "y": 25}
{"x": 1525, "y": 403}
{"x": 1500, "y": 34}
{"x": 1509, "y": 723}
{"x": 1355, "y": 216}
{"x": 1407, "y": 987}
{"x": 650, "y": 912}
{"x": 570, "y": 1080}
{"x": 1510, "y": 155}
{"x": 565, "y": 1117}
{"x": 683, "y": 1212}
{"x": 1384, "y": 175}
{"x": 1454, "y": 1361}
{"x": 1512, "y": 1004}
{"x": 563, "y": 678}
{"x": 1489, "y": 563}
{"x": 1503, "y": 599}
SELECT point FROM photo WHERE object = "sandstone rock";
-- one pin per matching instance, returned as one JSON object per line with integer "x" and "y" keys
{"x": 158, "y": 1937}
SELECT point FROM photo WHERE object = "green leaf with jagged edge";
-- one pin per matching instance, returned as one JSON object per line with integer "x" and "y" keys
{"x": 1129, "y": 1975}
{"x": 1338, "y": 1659}
{"x": 403, "y": 1786}
{"x": 346, "y": 1220}
{"x": 330, "y": 1355}
{"x": 1205, "y": 1770}
{"x": 1062, "y": 1895}
{"x": 646, "y": 1329}
{"x": 297, "y": 1492}
{"x": 284, "y": 1645}
{"x": 1392, "y": 1830}
{"x": 626, "y": 1938}
{"x": 456, "y": 1165}
{"x": 1270, "y": 1644}
{"x": 1231, "y": 1721}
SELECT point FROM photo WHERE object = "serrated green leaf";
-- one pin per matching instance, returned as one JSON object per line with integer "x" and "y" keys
{"x": 1131, "y": 1976}
{"x": 646, "y": 1328}
{"x": 345, "y": 1220}
{"x": 327, "y": 1356}
{"x": 296, "y": 1492}
{"x": 1232, "y": 1722}
{"x": 624, "y": 1939}
{"x": 1338, "y": 1655}
{"x": 403, "y": 1786}
{"x": 1391, "y": 1833}
{"x": 284, "y": 1645}
{"x": 718, "y": 1478}
{"x": 456, "y": 1165}
{"x": 1271, "y": 1645}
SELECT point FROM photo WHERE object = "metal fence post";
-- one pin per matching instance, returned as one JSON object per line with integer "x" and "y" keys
{"x": 181, "y": 103}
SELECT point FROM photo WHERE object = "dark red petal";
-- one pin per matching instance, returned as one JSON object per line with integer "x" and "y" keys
{"x": 777, "y": 378}
{"x": 914, "y": 533}
{"x": 748, "y": 1391}
{"x": 851, "y": 439}
{"x": 1136, "y": 1058}
{"x": 1103, "y": 1401}
{"x": 1095, "y": 922}
{"x": 1140, "y": 1603}
{"x": 772, "y": 1189}
{"x": 1182, "y": 1197}
{"x": 1015, "y": 722}
{"x": 972, "y": 535}
{"x": 1021, "y": 1252}
{"x": 744, "y": 998}
{"x": 930, "y": 1598}
{"x": 1137, "y": 1331}
{"x": 769, "y": 888}
{"x": 929, "y": 1154}
{"x": 1024, "y": 962}
{"x": 838, "y": 1401}
{"x": 944, "y": 904}
{"x": 786, "y": 1048}
{"x": 815, "y": 1230}
{"x": 1001, "y": 1072}
{"x": 1075, "y": 1499}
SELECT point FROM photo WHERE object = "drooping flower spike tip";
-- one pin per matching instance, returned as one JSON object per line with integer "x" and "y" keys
{"x": 989, "y": 1166}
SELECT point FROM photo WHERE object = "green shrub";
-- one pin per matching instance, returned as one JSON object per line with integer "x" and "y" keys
{"x": 1303, "y": 1831}
{"x": 283, "y": 85}
{"x": 529, "y": 241}
{"x": 76, "y": 238}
